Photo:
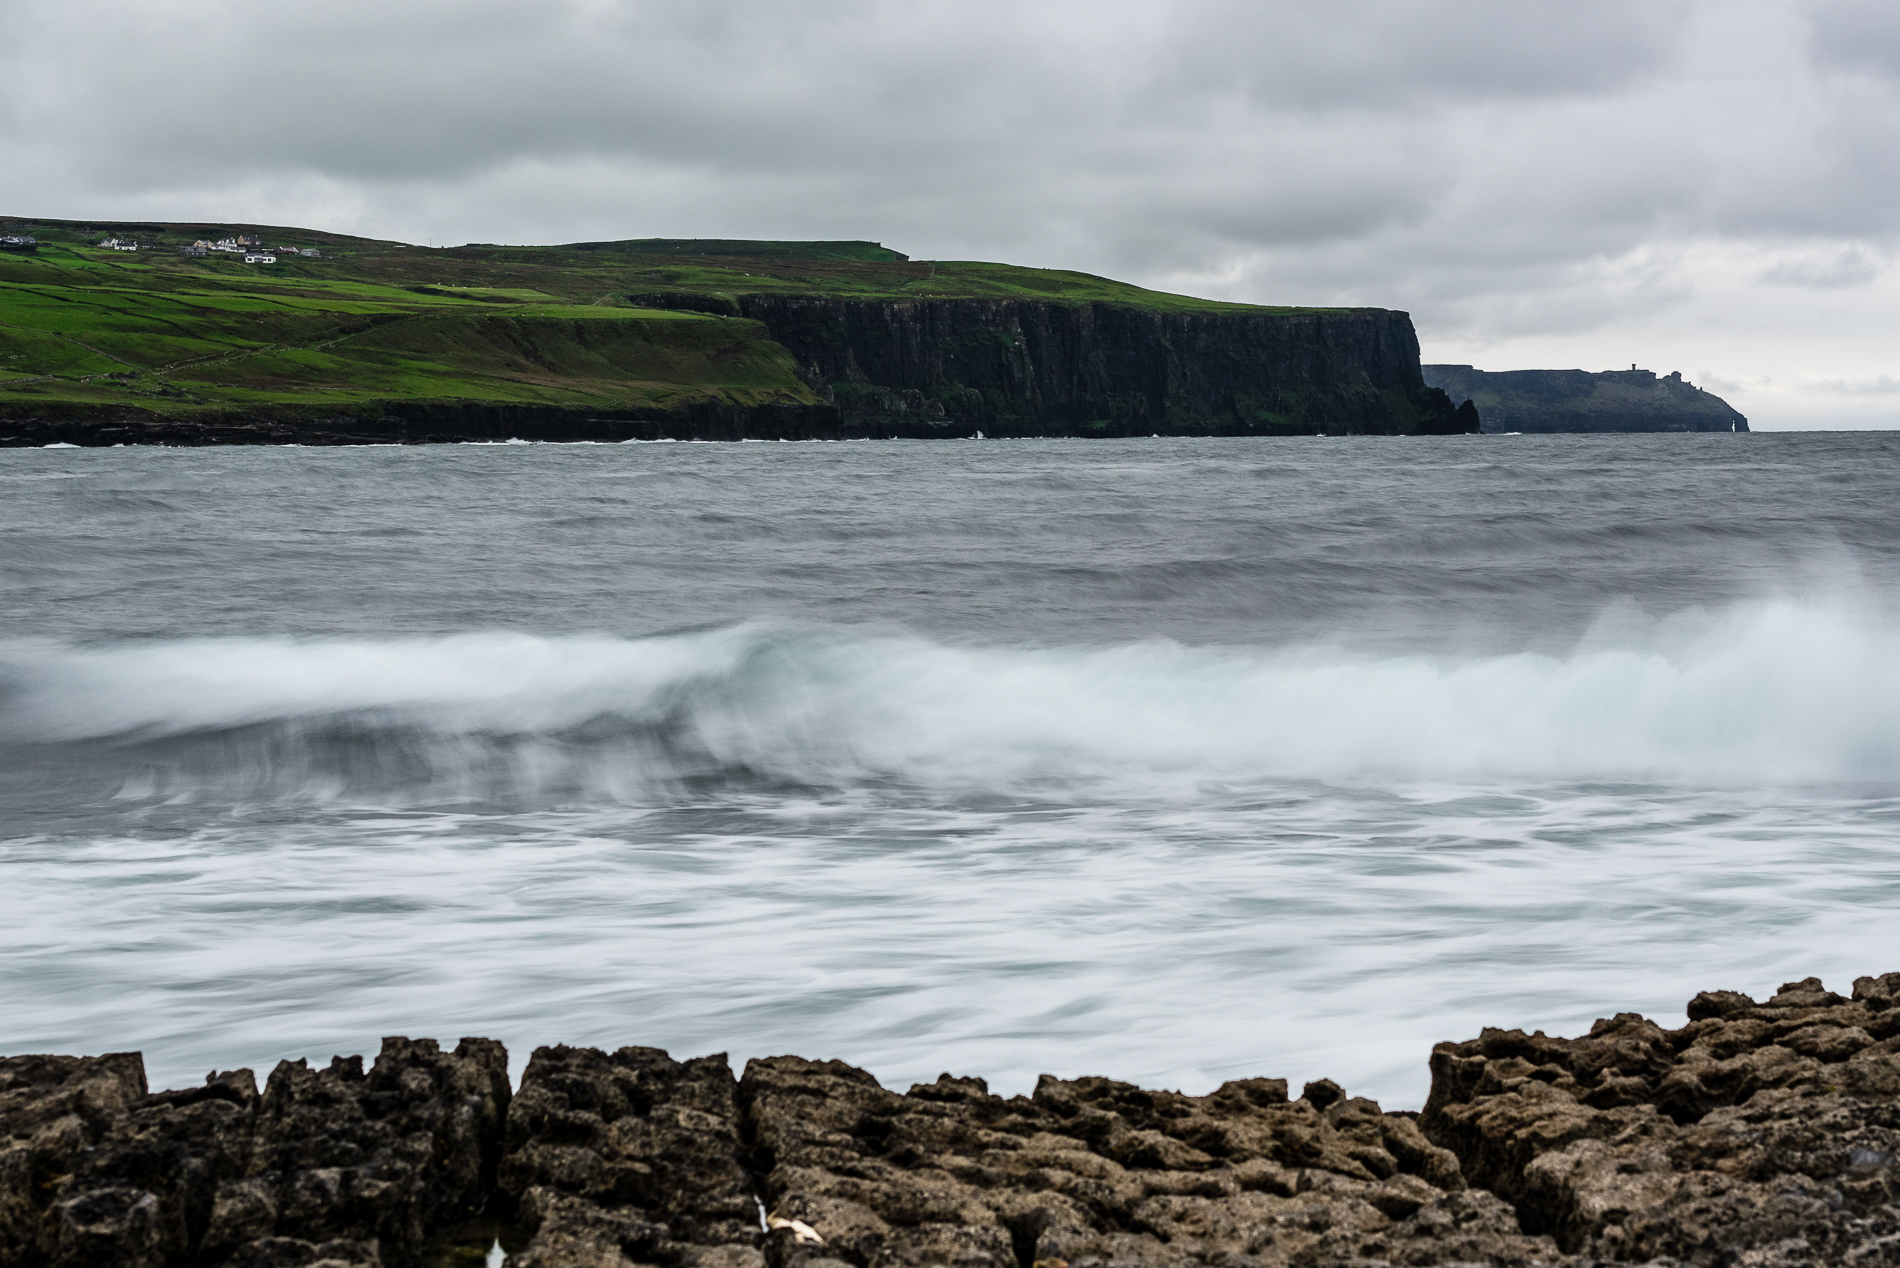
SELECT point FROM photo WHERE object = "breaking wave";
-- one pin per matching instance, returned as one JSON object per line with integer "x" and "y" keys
{"x": 1768, "y": 693}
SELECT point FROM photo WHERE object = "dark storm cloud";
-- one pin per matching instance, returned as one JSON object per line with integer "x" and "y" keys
{"x": 1497, "y": 167}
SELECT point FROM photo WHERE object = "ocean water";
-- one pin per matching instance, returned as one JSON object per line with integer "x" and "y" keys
{"x": 1171, "y": 760}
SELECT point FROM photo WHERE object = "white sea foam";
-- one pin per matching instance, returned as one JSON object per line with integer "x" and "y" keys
{"x": 1776, "y": 692}
{"x": 1028, "y": 842}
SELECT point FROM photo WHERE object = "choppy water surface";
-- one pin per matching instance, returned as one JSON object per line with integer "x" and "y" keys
{"x": 1172, "y": 760}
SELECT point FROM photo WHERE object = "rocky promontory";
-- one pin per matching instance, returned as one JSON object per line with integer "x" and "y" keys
{"x": 1761, "y": 1133}
{"x": 1580, "y": 401}
{"x": 1023, "y": 367}
{"x": 171, "y": 334}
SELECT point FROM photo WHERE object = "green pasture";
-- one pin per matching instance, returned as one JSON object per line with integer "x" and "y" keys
{"x": 180, "y": 350}
{"x": 376, "y": 320}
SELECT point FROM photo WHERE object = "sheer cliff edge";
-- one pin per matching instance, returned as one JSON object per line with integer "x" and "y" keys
{"x": 163, "y": 333}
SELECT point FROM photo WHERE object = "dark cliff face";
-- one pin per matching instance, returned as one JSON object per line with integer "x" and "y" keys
{"x": 1030, "y": 368}
{"x": 1580, "y": 401}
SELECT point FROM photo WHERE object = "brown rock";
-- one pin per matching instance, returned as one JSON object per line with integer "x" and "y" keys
{"x": 1761, "y": 1133}
{"x": 1878, "y": 993}
{"x": 1092, "y": 1172}
{"x": 1758, "y": 1134}
{"x": 365, "y": 1165}
{"x": 1718, "y": 1004}
{"x": 96, "y": 1171}
{"x": 630, "y": 1157}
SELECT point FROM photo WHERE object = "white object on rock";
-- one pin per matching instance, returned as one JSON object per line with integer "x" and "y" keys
{"x": 801, "y": 1231}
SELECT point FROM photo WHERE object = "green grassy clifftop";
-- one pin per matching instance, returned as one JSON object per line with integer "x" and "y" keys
{"x": 88, "y": 329}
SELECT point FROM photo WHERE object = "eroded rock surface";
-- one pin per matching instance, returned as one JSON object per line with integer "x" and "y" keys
{"x": 330, "y": 1167}
{"x": 630, "y": 1157}
{"x": 359, "y": 1168}
{"x": 96, "y": 1170}
{"x": 1759, "y": 1133}
{"x": 1096, "y": 1172}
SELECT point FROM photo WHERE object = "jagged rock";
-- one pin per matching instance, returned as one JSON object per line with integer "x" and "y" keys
{"x": 630, "y": 1157}
{"x": 1758, "y": 1133}
{"x": 375, "y": 1159}
{"x": 98, "y": 1171}
{"x": 1763, "y": 1134}
{"x": 1092, "y": 1171}
{"x": 333, "y": 1168}
{"x": 52, "y": 1109}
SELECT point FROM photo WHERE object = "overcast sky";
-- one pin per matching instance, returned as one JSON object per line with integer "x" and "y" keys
{"x": 1711, "y": 186}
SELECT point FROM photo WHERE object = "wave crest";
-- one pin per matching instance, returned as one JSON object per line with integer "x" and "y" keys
{"x": 1774, "y": 693}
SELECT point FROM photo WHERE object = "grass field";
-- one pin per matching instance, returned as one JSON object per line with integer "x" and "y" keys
{"x": 375, "y": 320}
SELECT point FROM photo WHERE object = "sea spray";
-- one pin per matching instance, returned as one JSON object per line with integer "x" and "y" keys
{"x": 1778, "y": 693}
{"x": 1175, "y": 761}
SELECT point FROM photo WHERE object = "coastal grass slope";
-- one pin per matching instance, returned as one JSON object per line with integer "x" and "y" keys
{"x": 88, "y": 325}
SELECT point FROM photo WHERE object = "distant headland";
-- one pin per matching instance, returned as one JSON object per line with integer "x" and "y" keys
{"x": 173, "y": 333}
{"x": 1579, "y": 401}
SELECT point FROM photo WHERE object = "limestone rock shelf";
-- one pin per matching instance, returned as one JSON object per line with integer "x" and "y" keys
{"x": 1761, "y": 1133}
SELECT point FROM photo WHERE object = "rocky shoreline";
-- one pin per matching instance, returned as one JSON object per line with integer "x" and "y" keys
{"x": 1761, "y": 1133}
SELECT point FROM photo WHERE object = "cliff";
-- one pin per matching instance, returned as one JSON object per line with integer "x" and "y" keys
{"x": 1579, "y": 401}
{"x": 1761, "y": 1133}
{"x": 345, "y": 339}
{"x": 1040, "y": 368}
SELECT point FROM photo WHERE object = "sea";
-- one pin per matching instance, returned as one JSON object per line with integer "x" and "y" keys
{"x": 1171, "y": 760}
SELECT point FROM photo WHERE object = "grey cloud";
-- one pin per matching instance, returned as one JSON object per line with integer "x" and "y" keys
{"x": 1862, "y": 35}
{"x": 1879, "y": 385}
{"x": 1399, "y": 53}
{"x": 442, "y": 89}
{"x": 1825, "y": 269}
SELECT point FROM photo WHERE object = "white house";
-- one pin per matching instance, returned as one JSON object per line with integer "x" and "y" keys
{"x": 260, "y": 259}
